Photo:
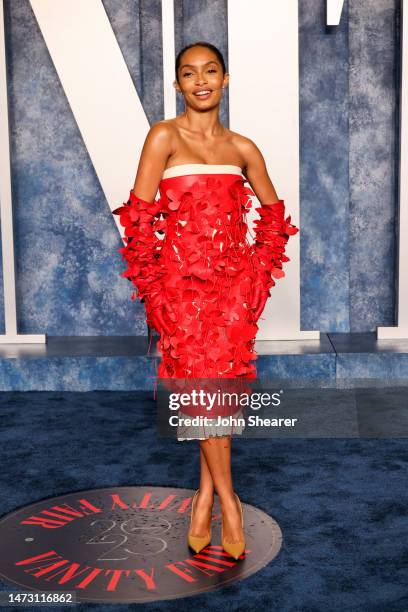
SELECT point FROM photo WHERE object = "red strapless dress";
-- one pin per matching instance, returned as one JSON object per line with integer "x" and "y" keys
{"x": 191, "y": 247}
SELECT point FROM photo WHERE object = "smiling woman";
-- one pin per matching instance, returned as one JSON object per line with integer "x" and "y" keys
{"x": 203, "y": 93}
{"x": 214, "y": 71}
{"x": 203, "y": 284}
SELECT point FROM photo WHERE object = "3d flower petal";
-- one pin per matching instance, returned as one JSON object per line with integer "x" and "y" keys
{"x": 188, "y": 257}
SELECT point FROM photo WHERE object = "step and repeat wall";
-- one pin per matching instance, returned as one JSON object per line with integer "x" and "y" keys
{"x": 85, "y": 80}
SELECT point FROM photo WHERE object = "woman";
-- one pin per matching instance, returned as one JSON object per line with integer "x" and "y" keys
{"x": 204, "y": 286}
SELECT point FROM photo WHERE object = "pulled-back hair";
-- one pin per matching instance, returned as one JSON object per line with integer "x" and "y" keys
{"x": 201, "y": 43}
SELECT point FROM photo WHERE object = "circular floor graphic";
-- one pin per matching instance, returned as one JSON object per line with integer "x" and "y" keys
{"x": 125, "y": 544}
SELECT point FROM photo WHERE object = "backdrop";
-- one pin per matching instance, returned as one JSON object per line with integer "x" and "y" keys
{"x": 67, "y": 260}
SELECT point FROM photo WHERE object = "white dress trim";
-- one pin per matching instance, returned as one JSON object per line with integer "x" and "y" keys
{"x": 183, "y": 169}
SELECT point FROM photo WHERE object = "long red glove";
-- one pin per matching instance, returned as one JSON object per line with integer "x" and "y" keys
{"x": 272, "y": 232}
{"x": 141, "y": 219}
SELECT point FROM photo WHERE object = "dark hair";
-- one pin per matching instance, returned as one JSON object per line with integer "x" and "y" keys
{"x": 200, "y": 43}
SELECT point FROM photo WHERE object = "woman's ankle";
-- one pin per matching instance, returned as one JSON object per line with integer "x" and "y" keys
{"x": 206, "y": 495}
{"x": 227, "y": 500}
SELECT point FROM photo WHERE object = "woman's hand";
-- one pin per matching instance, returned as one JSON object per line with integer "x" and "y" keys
{"x": 157, "y": 316}
{"x": 259, "y": 300}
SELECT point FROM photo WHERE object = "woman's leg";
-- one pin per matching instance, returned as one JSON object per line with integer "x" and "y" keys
{"x": 217, "y": 451}
{"x": 204, "y": 501}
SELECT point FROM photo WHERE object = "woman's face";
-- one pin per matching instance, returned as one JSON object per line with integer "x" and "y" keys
{"x": 200, "y": 70}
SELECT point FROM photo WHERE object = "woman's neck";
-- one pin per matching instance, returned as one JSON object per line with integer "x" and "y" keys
{"x": 205, "y": 123}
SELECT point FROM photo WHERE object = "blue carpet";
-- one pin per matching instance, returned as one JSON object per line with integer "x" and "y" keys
{"x": 341, "y": 503}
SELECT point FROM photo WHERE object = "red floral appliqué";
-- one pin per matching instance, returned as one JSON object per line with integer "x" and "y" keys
{"x": 204, "y": 270}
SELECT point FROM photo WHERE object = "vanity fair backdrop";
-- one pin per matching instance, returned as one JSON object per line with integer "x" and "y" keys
{"x": 340, "y": 499}
{"x": 66, "y": 240}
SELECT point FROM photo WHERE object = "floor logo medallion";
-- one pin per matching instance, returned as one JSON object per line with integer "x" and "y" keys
{"x": 125, "y": 544}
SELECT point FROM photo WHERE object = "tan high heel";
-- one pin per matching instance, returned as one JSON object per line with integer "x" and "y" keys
{"x": 197, "y": 543}
{"x": 235, "y": 549}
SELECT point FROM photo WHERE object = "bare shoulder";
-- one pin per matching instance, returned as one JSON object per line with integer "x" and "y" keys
{"x": 160, "y": 141}
{"x": 243, "y": 142}
{"x": 162, "y": 130}
{"x": 245, "y": 146}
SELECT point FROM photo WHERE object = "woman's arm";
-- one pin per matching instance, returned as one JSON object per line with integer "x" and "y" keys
{"x": 141, "y": 218}
{"x": 256, "y": 172}
{"x": 272, "y": 230}
{"x": 156, "y": 150}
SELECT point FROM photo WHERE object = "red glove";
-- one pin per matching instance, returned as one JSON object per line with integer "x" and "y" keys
{"x": 141, "y": 219}
{"x": 272, "y": 232}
